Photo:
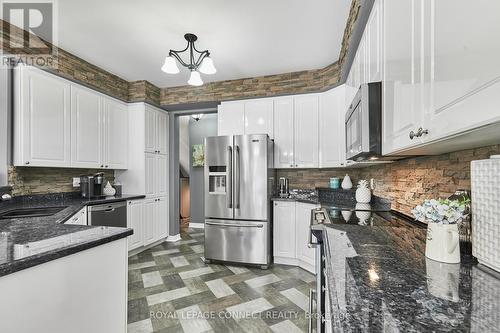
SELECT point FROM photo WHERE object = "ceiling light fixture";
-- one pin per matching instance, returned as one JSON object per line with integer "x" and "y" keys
{"x": 197, "y": 116}
{"x": 199, "y": 61}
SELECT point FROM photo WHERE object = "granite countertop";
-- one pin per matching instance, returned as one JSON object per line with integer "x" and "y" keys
{"x": 47, "y": 237}
{"x": 380, "y": 280}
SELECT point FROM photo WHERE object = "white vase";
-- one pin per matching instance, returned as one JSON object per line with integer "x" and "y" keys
{"x": 109, "y": 190}
{"x": 442, "y": 243}
{"x": 363, "y": 195}
{"x": 347, "y": 183}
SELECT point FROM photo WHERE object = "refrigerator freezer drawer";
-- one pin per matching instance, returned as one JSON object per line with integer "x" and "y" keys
{"x": 238, "y": 241}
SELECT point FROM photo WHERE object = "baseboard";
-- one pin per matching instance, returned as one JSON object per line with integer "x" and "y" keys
{"x": 286, "y": 261}
{"x": 197, "y": 225}
{"x": 174, "y": 238}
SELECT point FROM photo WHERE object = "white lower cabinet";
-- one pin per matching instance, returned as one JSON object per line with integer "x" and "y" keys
{"x": 79, "y": 218}
{"x": 305, "y": 254}
{"x": 291, "y": 234}
{"x": 149, "y": 220}
{"x": 135, "y": 222}
{"x": 284, "y": 232}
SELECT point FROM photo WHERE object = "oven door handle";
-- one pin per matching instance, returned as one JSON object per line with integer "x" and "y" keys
{"x": 312, "y": 292}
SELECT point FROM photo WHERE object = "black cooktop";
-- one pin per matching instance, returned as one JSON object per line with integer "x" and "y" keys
{"x": 362, "y": 215}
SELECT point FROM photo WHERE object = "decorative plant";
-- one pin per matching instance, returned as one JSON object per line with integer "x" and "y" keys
{"x": 442, "y": 211}
{"x": 363, "y": 184}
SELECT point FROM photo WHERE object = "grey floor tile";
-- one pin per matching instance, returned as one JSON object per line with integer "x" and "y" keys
{"x": 192, "y": 320}
{"x": 168, "y": 296}
{"x": 165, "y": 252}
{"x": 253, "y": 306}
{"x": 195, "y": 272}
{"x": 143, "y": 326}
{"x": 151, "y": 279}
{"x": 297, "y": 298}
{"x": 196, "y": 285}
{"x": 262, "y": 280}
{"x": 198, "y": 248}
{"x": 179, "y": 261}
{"x": 137, "y": 310}
{"x": 219, "y": 288}
{"x": 285, "y": 327}
{"x": 141, "y": 265}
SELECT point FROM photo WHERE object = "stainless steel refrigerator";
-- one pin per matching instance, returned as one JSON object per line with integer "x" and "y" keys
{"x": 239, "y": 180}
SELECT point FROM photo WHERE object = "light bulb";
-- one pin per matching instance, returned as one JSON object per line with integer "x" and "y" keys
{"x": 195, "y": 79}
{"x": 207, "y": 66}
{"x": 170, "y": 66}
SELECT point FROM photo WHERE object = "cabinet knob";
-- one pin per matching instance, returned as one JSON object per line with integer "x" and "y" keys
{"x": 106, "y": 166}
{"x": 422, "y": 131}
{"x": 296, "y": 165}
{"x": 28, "y": 162}
{"x": 102, "y": 165}
{"x": 412, "y": 135}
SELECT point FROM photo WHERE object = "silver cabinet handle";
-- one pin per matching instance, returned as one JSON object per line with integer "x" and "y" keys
{"x": 422, "y": 131}
{"x": 238, "y": 175}
{"x": 260, "y": 226}
{"x": 412, "y": 135}
{"x": 102, "y": 165}
{"x": 229, "y": 181}
{"x": 27, "y": 162}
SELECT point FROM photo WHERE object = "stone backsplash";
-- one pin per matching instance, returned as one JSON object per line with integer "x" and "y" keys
{"x": 406, "y": 182}
{"x": 33, "y": 180}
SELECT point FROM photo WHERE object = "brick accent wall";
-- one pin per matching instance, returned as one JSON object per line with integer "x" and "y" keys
{"x": 406, "y": 182}
{"x": 144, "y": 91}
{"x": 263, "y": 86}
{"x": 32, "y": 180}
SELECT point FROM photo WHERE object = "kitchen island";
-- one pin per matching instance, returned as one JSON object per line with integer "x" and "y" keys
{"x": 62, "y": 277}
{"x": 379, "y": 280}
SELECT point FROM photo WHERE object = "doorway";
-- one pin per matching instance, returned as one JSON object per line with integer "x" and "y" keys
{"x": 190, "y": 129}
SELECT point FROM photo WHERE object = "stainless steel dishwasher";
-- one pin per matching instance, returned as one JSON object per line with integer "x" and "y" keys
{"x": 109, "y": 215}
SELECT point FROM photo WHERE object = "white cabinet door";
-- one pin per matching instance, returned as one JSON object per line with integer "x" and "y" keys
{"x": 284, "y": 242}
{"x": 361, "y": 54}
{"x": 259, "y": 117}
{"x": 283, "y": 133}
{"x": 116, "y": 134}
{"x": 161, "y": 175}
{"x": 86, "y": 128}
{"x": 150, "y": 171}
{"x": 462, "y": 71}
{"x": 135, "y": 222}
{"x": 162, "y": 217}
{"x": 162, "y": 133}
{"x": 149, "y": 221}
{"x": 305, "y": 254}
{"x": 374, "y": 44}
{"x": 403, "y": 108}
{"x": 306, "y": 109}
{"x": 332, "y": 128}
{"x": 79, "y": 218}
{"x": 43, "y": 106}
{"x": 231, "y": 118}
{"x": 150, "y": 130}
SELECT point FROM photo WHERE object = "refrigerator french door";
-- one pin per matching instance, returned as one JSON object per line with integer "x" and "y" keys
{"x": 238, "y": 183}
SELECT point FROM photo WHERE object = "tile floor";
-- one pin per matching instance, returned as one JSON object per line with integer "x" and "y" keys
{"x": 172, "y": 290}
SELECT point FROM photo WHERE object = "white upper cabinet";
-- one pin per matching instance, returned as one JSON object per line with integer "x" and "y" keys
{"x": 150, "y": 134}
{"x": 58, "y": 123}
{"x": 259, "y": 117}
{"x": 231, "y": 118}
{"x": 162, "y": 133}
{"x": 86, "y": 128}
{"x": 42, "y": 119}
{"x": 306, "y": 111}
{"x": 332, "y": 128}
{"x": 403, "y": 67}
{"x": 462, "y": 72}
{"x": 156, "y": 131}
{"x": 283, "y": 133}
{"x": 115, "y": 134}
{"x": 374, "y": 44}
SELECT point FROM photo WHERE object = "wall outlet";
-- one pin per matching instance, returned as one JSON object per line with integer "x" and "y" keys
{"x": 76, "y": 181}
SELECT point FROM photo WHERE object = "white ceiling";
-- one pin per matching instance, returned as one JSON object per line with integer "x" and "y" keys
{"x": 131, "y": 38}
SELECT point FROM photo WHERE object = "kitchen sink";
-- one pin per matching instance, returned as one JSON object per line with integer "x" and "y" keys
{"x": 30, "y": 212}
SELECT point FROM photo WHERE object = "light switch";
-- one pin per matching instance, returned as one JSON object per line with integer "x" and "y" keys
{"x": 76, "y": 181}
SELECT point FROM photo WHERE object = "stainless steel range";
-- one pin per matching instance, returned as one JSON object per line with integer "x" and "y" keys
{"x": 239, "y": 180}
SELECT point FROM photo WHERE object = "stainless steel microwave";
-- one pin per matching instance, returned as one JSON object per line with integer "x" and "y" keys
{"x": 363, "y": 124}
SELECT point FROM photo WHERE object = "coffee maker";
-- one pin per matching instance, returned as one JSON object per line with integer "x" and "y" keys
{"x": 92, "y": 186}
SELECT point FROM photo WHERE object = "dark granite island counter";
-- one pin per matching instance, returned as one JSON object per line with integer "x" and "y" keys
{"x": 62, "y": 274}
{"x": 379, "y": 280}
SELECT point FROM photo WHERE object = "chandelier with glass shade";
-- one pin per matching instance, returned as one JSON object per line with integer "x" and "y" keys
{"x": 199, "y": 61}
